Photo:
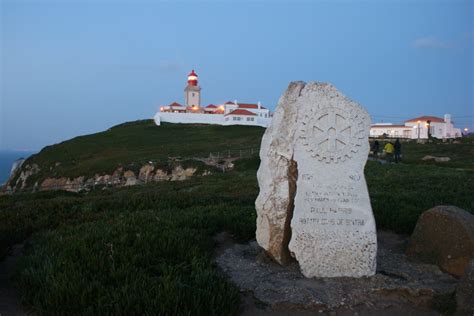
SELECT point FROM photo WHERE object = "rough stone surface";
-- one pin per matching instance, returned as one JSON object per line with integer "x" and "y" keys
{"x": 398, "y": 285}
{"x": 120, "y": 177}
{"x": 130, "y": 178}
{"x": 444, "y": 235}
{"x": 180, "y": 174}
{"x": 311, "y": 175}
{"x": 437, "y": 159}
{"x": 465, "y": 291}
{"x": 275, "y": 199}
{"x": 25, "y": 173}
{"x": 146, "y": 173}
{"x": 161, "y": 175}
{"x": 53, "y": 183}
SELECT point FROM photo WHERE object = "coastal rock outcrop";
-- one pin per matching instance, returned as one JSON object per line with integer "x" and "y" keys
{"x": 120, "y": 177}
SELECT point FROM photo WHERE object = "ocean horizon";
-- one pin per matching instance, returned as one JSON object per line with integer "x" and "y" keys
{"x": 6, "y": 162}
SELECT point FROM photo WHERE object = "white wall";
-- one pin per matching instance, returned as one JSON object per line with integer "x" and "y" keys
{"x": 192, "y": 96}
{"x": 438, "y": 130}
{"x": 190, "y": 118}
{"x": 402, "y": 132}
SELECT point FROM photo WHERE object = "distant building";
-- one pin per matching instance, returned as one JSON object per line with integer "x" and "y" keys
{"x": 417, "y": 128}
{"x": 228, "y": 113}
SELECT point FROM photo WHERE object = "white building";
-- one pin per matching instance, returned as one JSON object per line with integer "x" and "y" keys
{"x": 229, "y": 113}
{"x": 418, "y": 128}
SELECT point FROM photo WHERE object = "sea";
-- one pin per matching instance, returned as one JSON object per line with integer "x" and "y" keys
{"x": 6, "y": 161}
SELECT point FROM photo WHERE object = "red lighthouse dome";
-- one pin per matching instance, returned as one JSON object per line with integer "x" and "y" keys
{"x": 192, "y": 78}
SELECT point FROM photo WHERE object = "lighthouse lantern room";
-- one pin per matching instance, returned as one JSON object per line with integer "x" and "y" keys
{"x": 192, "y": 92}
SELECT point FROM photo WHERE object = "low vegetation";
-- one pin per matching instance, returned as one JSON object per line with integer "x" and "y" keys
{"x": 461, "y": 153}
{"x": 148, "y": 249}
{"x": 141, "y": 250}
{"x": 133, "y": 144}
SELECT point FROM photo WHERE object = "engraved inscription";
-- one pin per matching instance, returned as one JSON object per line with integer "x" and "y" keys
{"x": 332, "y": 205}
{"x": 332, "y": 221}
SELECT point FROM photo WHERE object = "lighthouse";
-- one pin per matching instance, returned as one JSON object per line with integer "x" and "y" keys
{"x": 192, "y": 92}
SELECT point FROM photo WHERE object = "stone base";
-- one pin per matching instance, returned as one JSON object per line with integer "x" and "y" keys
{"x": 399, "y": 286}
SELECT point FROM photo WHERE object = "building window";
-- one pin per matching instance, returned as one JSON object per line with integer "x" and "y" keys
{"x": 234, "y": 118}
{"x": 193, "y": 94}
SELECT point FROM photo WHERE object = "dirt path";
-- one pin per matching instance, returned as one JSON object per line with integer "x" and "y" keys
{"x": 400, "y": 286}
{"x": 9, "y": 301}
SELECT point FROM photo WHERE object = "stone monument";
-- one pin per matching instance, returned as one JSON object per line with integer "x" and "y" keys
{"x": 313, "y": 203}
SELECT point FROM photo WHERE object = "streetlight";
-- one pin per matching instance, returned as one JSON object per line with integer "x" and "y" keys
{"x": 466, "y": 130}
{"x": 419, "y": 122}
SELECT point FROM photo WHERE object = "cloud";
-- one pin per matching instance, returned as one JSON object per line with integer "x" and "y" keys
{"x": 431, "y": 42}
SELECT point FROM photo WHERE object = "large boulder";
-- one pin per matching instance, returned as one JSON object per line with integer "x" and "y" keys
{"x": 313, "y": 203}
{"x": 444, "y": 235}
{"x": 465, "y": 291}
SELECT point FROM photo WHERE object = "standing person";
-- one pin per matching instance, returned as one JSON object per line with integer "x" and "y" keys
{"x": 375, "y": 148}
{"x": 389, "y": 151}
{"x": 398, "y": 150}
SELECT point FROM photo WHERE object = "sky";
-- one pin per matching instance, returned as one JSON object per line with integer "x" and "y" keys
{"x": 69, "y": 68}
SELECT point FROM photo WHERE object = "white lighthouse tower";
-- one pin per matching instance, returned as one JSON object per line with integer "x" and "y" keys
{"x": 192, "y": 92}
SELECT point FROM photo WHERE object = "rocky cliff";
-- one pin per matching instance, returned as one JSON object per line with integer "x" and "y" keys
{"x": 133, "y": 153}
{"x": 25, "y": 179}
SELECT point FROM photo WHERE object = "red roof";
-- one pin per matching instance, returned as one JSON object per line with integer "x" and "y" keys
{"x": 229, "y": 102}
{"x": 175, "y": 104}
{"x": 192, "y": 73}
{"x": 388, "y": 125}
{"x": 211, "y": 106}
{"x": 427, "y": 118}
{"x": 241, "y": 112}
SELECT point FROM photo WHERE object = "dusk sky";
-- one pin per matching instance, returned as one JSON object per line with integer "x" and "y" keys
{"x": 76, "y": 67}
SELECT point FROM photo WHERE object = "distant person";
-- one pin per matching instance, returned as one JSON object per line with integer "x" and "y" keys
{"x": 375, "y": 148}
{"x": 389, "y": 149}
{"x": 398, "y": 150}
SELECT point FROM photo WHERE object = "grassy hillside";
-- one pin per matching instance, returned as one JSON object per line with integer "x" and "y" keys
{"x": 136, "y": 143}
{"x": 148, "y": 249}
{"x": 144, "y": 250}
{"x": 132, "y": 144}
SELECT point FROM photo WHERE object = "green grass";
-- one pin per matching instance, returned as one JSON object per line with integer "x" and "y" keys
{"x": 135, "y": 143}
{"x": 461, "y": 154}
{"x": 401, "y": 192}
{"x": 148, "y": 249}
{"x": 144, "y": 250}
